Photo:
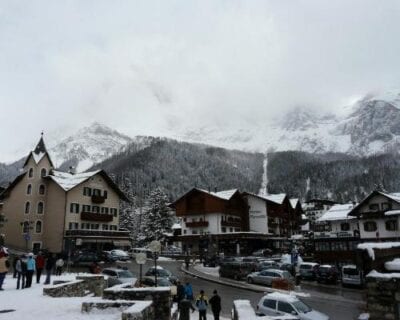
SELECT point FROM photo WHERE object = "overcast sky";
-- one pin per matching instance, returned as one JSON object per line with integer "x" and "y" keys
{"x": 143, "y": 67}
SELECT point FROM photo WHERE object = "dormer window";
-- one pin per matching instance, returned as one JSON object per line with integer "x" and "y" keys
{"x": 43, "y": 173}
{"x": 29, "y": 189}
{"x": 30, "y": 173}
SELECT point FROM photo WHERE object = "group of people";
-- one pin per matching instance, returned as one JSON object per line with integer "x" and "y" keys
{"x": 185, "y": 298}
{"x": 26, "y": 265}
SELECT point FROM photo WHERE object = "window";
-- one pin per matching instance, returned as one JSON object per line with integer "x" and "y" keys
{"x": 223, "y": 229}
{"x": 374, "y": 207}
{"x": 184, "y": 231}
{"x": 370, "y": 226}
{"x": 105, "y": 194}
{"x": 43, "y": 172}
{"x": 74, "y": 208}
{"x": 339, "y": 246}
{"x": 96, "y": 192}
{"x": 38, "y": 226}
{"x": 114, "y": 211}
{"x": 345, "y": 226}
{"x": 42, "y": 189}
{"x": 391, "y": 225}
{"x": 87, "y": 191}
{"x": 104, "y": 210}
{"x": 25, "y": 227}
{"x": 194, "y": 231}
{"x": 285, "y": 307}
{"x": 269, "y": 304}
{"x": 96, "y": 209}
{"x": 86, "y": 208}
{"x": 105, "y": 226}
{"x": 40, "y": 207}
{"x": 29, "y": 189}
{"x": 30, "y": 173}
{"x": 322, "y": 246}
{"x": 27, "y": 207}
{"x": 386, "y": 206}
{"x": 73, "y": 226}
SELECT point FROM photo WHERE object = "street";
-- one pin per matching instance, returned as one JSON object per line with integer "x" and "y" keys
{"x": 346, "y": 308}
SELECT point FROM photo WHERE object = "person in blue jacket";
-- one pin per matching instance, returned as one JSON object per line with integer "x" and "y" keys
{"x": 30, "y": 270}
{"x": 189, "y": 291}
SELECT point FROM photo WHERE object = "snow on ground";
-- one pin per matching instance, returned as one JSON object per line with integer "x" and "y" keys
{"x": 207, "y": 270}
{"x": 31, "y": 303}
{"x": 165, "y": 259}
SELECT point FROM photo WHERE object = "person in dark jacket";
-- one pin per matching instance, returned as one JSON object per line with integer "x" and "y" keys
{"x": 21, "y": 271}
{"x": 215, "y": 303}
{"x": 180, "y": 292}
{"x": 49, "y": 266}
{"x": 184, "y": 309}
{"x": 40, "y": 261}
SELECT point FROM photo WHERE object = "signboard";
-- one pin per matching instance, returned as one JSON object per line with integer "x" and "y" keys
{"x": 141, "y": 258}
{"x": 27, "y": 236}
{"x": 155, "y": 246}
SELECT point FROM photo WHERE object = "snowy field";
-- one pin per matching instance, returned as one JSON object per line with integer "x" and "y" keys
{"x": 30, "y": 303}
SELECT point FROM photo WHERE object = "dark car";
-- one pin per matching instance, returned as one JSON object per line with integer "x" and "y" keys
{"x": 162, "y": 273}
{"x": 107, "y": 256}
{"x": 235, "y": 270}
{"x": 84, "y": 259}
{"x": 308, "y": 270}
{"x": 327, "y": 274}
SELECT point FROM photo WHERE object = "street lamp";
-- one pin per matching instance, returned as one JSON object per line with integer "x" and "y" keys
{"x": 155, "y": 248}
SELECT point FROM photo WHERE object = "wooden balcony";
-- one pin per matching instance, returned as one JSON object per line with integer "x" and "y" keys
{"x": 235, "y": 224}
{"x": 96, "y": 233}
{"x": 197, "y": 224}
{"x": 91, "y": 216}
{"x": 98, "y": 199}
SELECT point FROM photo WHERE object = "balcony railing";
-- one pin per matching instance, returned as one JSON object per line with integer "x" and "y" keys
{"x": 96, "y": 233}
{"x": 236, "y": 224}
{"x": 98, "y": 199}
{"x": 91, "y": 216}
{"x": 197, "y": 224}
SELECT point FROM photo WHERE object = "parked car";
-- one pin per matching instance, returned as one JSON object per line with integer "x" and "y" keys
{"x": 107, "y": 256}
{"x": 134, "y": 251}
{"x": 262, "y": 252}
{"x": 118, "y": 276}
{"x": 210, "y": 261}
{"x": 308, "y": 270}
{"x": 150, "y": 281}
{"x": 119, "y": 255}
{"x": 266, "y": 277}
{"x": 327, "y": 273}
{"x": 288, "y": 267}
{"x": 267, "y": 264}
{"x": 234, "y": 270}
{"x": 162, "y": 273}
{"x": 274, "y": 304}
{"x": 352, "y": 276}
{"x": 84, "y": 259}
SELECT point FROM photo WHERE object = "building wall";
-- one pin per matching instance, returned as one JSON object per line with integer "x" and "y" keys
{"x": 258, "y": 219}
{"x": 214, "y": 224}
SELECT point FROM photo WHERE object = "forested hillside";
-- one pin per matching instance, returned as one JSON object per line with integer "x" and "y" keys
{"x": 335, "y": 176}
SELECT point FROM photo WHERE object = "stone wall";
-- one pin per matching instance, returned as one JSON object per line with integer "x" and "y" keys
{"x": 81, "y": 287}
{"x": 383, "y": 298}
{"x": 160, "y": 297}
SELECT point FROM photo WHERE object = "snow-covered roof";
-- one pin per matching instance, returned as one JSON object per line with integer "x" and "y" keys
{"x": 394, "y": 196}
{"x": 376, "y": 274}
{"x": 225, "y": 195}
{"x": 277, "y": 198}
{"x": 68, "y": 181}
{"x": 393, "y": 265}
{"x": 337, "y": 212}
{"x": 371, "y": 246}
{"x": 392, "y": 213}
{"x": 176, "y": 226}
{"x": 293, "y": 202}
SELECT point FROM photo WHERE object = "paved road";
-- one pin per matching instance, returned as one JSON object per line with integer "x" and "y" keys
{"x": 337, "y": 310}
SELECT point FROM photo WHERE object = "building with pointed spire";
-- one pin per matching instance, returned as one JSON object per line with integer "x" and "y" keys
{"x": 58, "y": 211}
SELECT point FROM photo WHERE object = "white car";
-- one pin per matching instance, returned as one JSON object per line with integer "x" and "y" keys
{"x": 119, "y": 276}
{"x": 119, "y": 255}
{"x": 274, "y": 304}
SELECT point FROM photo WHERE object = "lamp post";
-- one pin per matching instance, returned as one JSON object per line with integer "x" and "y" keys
{"x": 155, "y": 248}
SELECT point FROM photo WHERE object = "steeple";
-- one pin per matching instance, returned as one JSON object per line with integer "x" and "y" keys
{"x": 40, "y": 147}
{"x": 39, "y": 152}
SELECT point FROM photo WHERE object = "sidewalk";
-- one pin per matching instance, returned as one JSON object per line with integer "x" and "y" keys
{"x": 256, "y": 288}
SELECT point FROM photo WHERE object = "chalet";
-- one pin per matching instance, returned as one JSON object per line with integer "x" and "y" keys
{"x": 280, "y": 215}
{"x": 379, "y": 216}
{"x": 315, "y": 208}
{"x": 216, "y": 222}
{"x": 297, "y": 215}
{"x": 336, "y": 235}
{"x": 54, "y": 210}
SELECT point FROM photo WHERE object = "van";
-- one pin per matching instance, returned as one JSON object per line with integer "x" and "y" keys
{"x": 134, "y": 251}
{"x": 352, "y": 276}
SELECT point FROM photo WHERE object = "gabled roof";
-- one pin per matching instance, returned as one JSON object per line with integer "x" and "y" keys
{"x": 223, "y": 195}
{"x": 39, "y": 152}
{"x": 5, "y": 192}
{"x": 277, "y": 198}
{"x": 294, "y": 202}
{"x": 68, "y": 181}
{"x": 337, "y": 212}
{"x": 392, "y": 196}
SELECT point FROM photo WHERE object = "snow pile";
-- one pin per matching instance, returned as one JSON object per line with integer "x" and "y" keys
{"x": 393, "y": 265}
{"x": 371, "y": 246}
{"x": 376, "y": 274}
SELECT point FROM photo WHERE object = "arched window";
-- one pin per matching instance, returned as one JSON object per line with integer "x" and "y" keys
{"x": 40, "y": 207}
{"x": 43, "y": 172}
{"x": 370, "y": 226}
{"x": 25, "y": 227}
{"x": 30, "y": 173}
{"x": 42, "y": 189}
{"x": 38, "y": 226}
{"x": 27, "y": 207}
{"x": 29, "y": 189}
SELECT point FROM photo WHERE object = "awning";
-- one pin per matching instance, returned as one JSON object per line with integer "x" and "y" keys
{"x": 96, "y": 240}
{"x": 122, "y": 243}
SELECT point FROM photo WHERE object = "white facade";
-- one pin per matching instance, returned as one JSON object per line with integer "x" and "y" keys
{"x": 212, "y": 223}
{"x": 258, "y": 218}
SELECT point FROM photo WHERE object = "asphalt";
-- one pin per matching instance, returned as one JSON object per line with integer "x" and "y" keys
{"x": 305, "y": 291}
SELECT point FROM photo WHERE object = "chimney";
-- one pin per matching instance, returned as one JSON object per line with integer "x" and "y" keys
{"x": 71, "y": 170}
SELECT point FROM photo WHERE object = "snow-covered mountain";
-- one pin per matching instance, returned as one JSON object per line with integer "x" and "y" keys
{"x": 372, "y": 125}
{"x": 90, "y": 145}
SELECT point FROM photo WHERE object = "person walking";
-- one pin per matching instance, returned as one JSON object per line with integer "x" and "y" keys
{"x": 21, "y": 271}
{"x": 49, "y": 266}
{"x": 4, "y": 265}
{"x": 184, "y": 309}
{"x": 14, "y": 264}
{"x": 180, "y": 292}
{"x": 202, "y": 304}
{"x": 30, "y": 270}
{"x": 59, "y": 266}
{"x": 39, "y": 266}
{"x": 189, "y": 291}
{"x": 215, "y": 303}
